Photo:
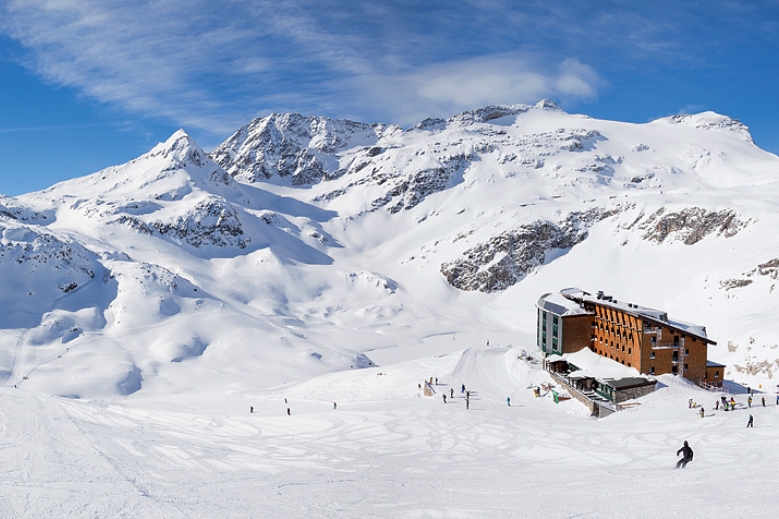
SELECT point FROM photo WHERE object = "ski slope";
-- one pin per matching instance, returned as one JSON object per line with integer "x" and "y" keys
{"x": 387, "y": 451}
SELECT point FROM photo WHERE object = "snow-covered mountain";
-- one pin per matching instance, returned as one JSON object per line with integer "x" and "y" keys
{"x": 305, "y": 245}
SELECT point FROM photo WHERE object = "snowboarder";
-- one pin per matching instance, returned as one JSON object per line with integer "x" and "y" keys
{"x": 508, "y": 401}
{"x": 686, "y": 453}
{"x": 444, "y": 395}
{"x": 751, "y": 422}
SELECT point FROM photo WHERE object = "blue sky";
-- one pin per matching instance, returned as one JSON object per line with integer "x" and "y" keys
{"x": 91, "y": 83}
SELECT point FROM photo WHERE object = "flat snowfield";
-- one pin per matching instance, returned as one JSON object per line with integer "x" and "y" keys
{"x": 388, "y": 450}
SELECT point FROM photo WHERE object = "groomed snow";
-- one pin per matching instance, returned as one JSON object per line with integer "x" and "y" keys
{"x": 387, "y": 450}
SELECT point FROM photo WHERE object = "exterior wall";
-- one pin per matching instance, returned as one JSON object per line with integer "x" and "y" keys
{"x": 652, "y": 348}
{"x": 634, "y": 392}
{"x": 563, "y": 334}
{"x": 666, "y": 350}
{"x": 715, "y": 375}
{"x": 577, "y": 333}
{"x": 616, "y": 335}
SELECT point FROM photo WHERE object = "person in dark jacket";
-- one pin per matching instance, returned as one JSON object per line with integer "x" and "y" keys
{"x": 686, "y": 453}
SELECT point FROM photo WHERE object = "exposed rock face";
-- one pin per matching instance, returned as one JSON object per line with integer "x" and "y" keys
{"x": 769, "y": 269}
{"x": 691, "y": 225}
{"x": 24, "y": 251}
{"x": 507, "y": 258}
{"x": 210, "y": 222}
{"x": 301, "y": 149}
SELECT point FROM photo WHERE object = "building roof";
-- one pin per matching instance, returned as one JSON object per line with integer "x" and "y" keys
{"x": 658, "y": 316}
{"x": 603, "y": 369}
{"x": 557, "y": 304}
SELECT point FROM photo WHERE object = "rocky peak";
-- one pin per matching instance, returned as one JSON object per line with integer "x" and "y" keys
{"x": 293, "y": 146}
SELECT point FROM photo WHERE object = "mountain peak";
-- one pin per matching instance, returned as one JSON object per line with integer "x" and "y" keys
{"x": 709, "y": 121}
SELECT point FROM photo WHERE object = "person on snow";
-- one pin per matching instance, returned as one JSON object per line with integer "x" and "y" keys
{"x": 288, "y": 412}
{"x": 686, "y": 453}
{"x": 762, "y": 398}
{"x": 444, "y": 395}
{"x": 751, "y": 422}
{"x": 251, "y": 409}
{"x": 749, "y": 402}
{"x": 702, "y": 413}
{"x": 689, "y": 404}
{"x": 716, "y": 405}
{"x": 732, "y": 403}
{"x": 462, "y": 390}
{"x": 508, "y": 401}
{"x": 451, "y": 392}
{"x": 335, "y": 406}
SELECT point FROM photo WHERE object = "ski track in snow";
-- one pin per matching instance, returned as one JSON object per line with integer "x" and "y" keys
{"x": 407, "y": 456}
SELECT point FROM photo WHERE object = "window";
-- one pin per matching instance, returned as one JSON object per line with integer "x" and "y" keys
{"x": 654, "y": 341}
{"x": 685, "y": 367}
{"x": 630, "y": 351}
{"x": 716, "y": 373}
{"x": 686, "y": 352}
{"x": 652, "y": 355}
{"x": 652, "y": 370}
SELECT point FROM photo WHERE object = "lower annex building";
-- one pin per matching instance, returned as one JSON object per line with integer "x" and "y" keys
{"x": 635, "y": 336}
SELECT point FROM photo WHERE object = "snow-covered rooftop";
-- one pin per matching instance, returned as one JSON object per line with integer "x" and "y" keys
{"x": 576, "y": 295}
{"x": 557, "y": 304}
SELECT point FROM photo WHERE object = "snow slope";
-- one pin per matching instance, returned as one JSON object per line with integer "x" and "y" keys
{"x": 386, "y": 451}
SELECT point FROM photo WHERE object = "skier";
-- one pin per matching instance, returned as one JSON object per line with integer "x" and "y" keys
{"x": 451, "y": 392}
{"x": 732, "y": 403}
{"x": 251, "y": 409}
{"x": 751, "y": 421}
{"x": 462, "y": 390}
{"x": 749, "y": 402}
{"x": 335, "y": 406}
{"x": 716, "y": 405}
{"x": 444, "y": 395}
{"x": 288, "y": 412}
{"x": 702, "y": 413}
{"x": 508, "y": 401}
{"x": 689, "y": 404}
{"x": 686, "y": 453}
{"x": 763, "y": 400}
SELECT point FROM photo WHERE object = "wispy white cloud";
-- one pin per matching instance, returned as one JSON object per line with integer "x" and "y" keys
{"x": 214, "y": 65}
{"x": 448, "y": 88}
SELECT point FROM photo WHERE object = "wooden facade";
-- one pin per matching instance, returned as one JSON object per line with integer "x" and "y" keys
{"x": 634, "y": 336}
